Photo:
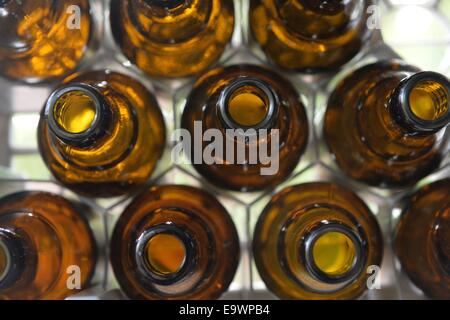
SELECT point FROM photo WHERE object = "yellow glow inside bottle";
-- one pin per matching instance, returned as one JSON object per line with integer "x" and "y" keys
{"x": 166, "y": 253}
{"x": 334, "y": 253}
{"x": 429, "y": 100}
{"x": 74, "y": 112}
{"x": 246, "y": 107}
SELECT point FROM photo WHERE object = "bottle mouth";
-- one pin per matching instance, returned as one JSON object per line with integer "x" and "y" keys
{"x": 76, "y": 113}
{"x": 165, "y": 254}
{"x": 248, "y": 103}
{"x": 334, "y": 253}
{"x": 324, "y": 7}
{"x": 12, "y": 255}
{"x": 425, "y": 101}
{"x": 165, "y": 4}
{"x": 5, "y": 260}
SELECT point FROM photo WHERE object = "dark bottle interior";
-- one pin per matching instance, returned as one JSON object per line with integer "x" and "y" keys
{"x": 251, "y": 100}
{"x": 422, "y": 242}
{"x": 309, "y": 36}
{"x": 316, "y": 241}
{"x": 174, "y": 242}
{"x": 101, "y": 134}
{"x": 172, "y": 38}
{"x": 42, "y": 236}
{"x": 383, "y": 122}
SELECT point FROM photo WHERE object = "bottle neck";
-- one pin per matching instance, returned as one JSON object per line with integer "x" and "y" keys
{"x": 320, "y": 19}
{"x": 12, "y": 258}
{"x": 78, "y": 115}
{"x": 248, "y": 103}
{"x": 421, "y": 103}
{"x": 333, "y": 253}
{"x": 166, "y": 254}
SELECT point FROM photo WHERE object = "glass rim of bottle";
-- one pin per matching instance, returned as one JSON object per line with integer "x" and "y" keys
{"x": 260, "y": 85}
{"x": 165, "y": 4}
{"x": 359, "y": 255}
{"x": 15, "y": 253}
{"x": 409, "y": 84}
{"x": 189, "y": 259}
{"x": 7, "y": 265}
{"x": 332, "y": 8}
{"x": 94, "y": 126}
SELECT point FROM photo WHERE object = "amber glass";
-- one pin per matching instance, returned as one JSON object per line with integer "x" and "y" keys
{"x": 41, "y": 39}
{"x": 246, "y": 97}
{"x": 422, "y": 241}
{"x": 174, "y": 38}
{"x": 383, "y": 123}
{"x": 316, "y": 241}
{"x": 41, "y": 237}
{"x": 308, "y": 35}
{"x": 174, "y": 242}
{"x": 101, "y": 133}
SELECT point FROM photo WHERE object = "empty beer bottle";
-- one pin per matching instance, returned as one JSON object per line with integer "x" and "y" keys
{"x": 383, "y": 123}
{"x": 44, "y": 240}
{"x": 174, "y": 242}
{"x": 173, "y": 38}
{"x": 309, "y": 35}
{"x": 422, "y": 242}
{"x": 316, "y": 241}
{"x": 42, "y": 39}
{"x": 101, "y": 133}
{"x": 259, "y": 117}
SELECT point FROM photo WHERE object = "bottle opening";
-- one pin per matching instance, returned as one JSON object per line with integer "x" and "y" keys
{"x": 422, "y": 102}
{"x": 4, "y": 260}
{"x": 77, "y": 114}
{"x": 327, "y": 7}
{"x": 247, "y": 103}
{"x": 165, "y": 4}
{"x": 13, "y": 258}
{"x": 74, "y": 111}
{"x": 334, "y": 253}
{"x": 248, "y": 106}
{"x": 165, "y": 254}
{"x": 429, "y": 100}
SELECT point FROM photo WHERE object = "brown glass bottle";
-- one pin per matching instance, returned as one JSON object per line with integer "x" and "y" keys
{"x": 101, "y": 133}
{"x": 256, "y": 103}
{"x": 316, "y": 241}
{"x": 174, "y": 242}
{"x": 174, "y": 38}
{"x": 308, "y": 35}
{"x": 383, "y": 123}
{"x": 422, "y": 242}
{"x": 42, "y": 236}
{"x": 42, "y": 39}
